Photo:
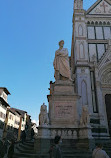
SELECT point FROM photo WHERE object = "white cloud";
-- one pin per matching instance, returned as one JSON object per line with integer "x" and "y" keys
{"x": 37, "y": 122}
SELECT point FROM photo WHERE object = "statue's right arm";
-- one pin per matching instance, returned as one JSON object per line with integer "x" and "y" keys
{"x": 57, "y": 53}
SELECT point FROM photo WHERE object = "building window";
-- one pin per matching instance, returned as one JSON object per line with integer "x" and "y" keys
{"x": 91, "y": 33}
{"x": 92, "y": 51}
{"x": 99, "y": 33}
{"x": 107, "y": 32}
{"x": 93, "y": 89}
{"x": 97, "y": 50}
{"x": 101, "y": 50}
{"x": 2, "y": 115}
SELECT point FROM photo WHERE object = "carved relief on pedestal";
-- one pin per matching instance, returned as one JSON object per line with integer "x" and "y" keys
{"x": 59, "y": 132}
{"x": 64, "y": 133}
{"x": 69, "y": 133}
{"x": 74, "y": 134}
{"x": 53, "y": 133}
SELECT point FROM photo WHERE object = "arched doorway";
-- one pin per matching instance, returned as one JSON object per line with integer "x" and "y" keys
{"x": 108, "y": 110}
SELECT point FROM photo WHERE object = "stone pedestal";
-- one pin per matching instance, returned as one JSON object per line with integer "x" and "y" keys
{"x": 85, "y": 140}
{"x": 42, "y": 141}
{"x": 63, "y": 120}
{"x": 44, "y": 131}
{"x": 63, "y": 104}
{"x": 85, "y": 133}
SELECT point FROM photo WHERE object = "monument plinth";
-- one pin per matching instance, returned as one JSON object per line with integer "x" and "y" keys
{"x": 63, "y": 104}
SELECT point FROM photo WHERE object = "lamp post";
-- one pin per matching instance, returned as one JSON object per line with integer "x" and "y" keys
{"x": 5, "y": 124}
{"x": 19, "y": 130}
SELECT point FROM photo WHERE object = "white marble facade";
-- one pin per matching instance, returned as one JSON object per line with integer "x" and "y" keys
{"x": 91, "y": 55}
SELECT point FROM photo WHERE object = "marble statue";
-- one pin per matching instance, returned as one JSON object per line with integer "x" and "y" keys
{"x": 61, "y": 63}
{"x": 43, "y": 116}
{"x": 84, "y": 120}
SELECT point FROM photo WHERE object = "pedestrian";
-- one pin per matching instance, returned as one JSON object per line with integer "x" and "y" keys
{"x": 3, "y": 148}
{"x": 99, "y": 153}
{"x": 55, "y": 151}
{"x": 23, "y": 136}
{"x": 11, "y": 149}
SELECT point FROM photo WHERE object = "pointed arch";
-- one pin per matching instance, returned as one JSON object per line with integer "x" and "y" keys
{"x": 100, "y": 23}
{"x": 108, "y": 23}
{"x": 84, "y": 92}
{"x": 96, "y": 23}
{"x": 92, "y": 23}
{"x": 81, "y": 51}
{"x": 88, "y": 22}
{"x": 80, "y": 30}
{"x": 104, "y": 23}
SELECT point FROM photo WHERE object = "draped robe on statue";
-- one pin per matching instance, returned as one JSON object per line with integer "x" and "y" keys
{"x": 61, "y": 63}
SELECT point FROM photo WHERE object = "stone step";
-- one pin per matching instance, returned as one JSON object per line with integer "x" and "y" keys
{"x": 26, "y": 147}
{"x": 30, "y": 156}
{"x": 68, "y": 156}
{"x": 19, "y": 155}
{"x": 29, "y": 143}
{"x": 25, "y": 151}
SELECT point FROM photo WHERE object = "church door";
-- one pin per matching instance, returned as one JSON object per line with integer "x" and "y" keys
{"x": 108, "y": 108}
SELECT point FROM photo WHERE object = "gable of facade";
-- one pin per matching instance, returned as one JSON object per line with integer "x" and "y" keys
{"x": 101, "y": 7}
{"x": 98, "y": 29}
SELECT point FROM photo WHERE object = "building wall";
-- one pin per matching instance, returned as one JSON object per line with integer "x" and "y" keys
{"x": 24, "y": 122}
{"x": 91, "y": 36}
{"x": 3, "y": 95}
{"x": 2, "y": 113}
{"x": 17, "y": 121}
{"x": 2, "y": 119}
{"x": 11, "y": 120}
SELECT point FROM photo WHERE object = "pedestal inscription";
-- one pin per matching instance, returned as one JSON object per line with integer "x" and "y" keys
{"x": 63, "y": 110}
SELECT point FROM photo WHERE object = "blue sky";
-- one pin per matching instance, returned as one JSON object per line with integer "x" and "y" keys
{"x": 29, "y": 35}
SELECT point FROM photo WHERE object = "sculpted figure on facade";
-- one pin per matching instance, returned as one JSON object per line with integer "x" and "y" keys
{"x": 85, "y": 120}
{"x": 43, "y": 116}
{"x": 61, "y": 63}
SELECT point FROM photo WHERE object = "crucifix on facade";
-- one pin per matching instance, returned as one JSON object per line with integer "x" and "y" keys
{"x": 104, "y": 6}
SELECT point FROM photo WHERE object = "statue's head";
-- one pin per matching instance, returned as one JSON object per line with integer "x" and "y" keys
{"x": 43, "y": 108}
{"x": 61, "y": 43}
{"x": 85, "y": 108}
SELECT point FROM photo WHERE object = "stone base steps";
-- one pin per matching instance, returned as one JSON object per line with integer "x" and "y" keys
{"x": 26, "y": 150}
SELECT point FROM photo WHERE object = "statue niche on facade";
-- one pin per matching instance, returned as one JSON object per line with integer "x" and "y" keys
{"x": 61, "y": 63}
{"x": 43, "y": 116}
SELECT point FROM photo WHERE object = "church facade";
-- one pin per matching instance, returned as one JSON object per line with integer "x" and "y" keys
{"x": 91, "y": 62}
